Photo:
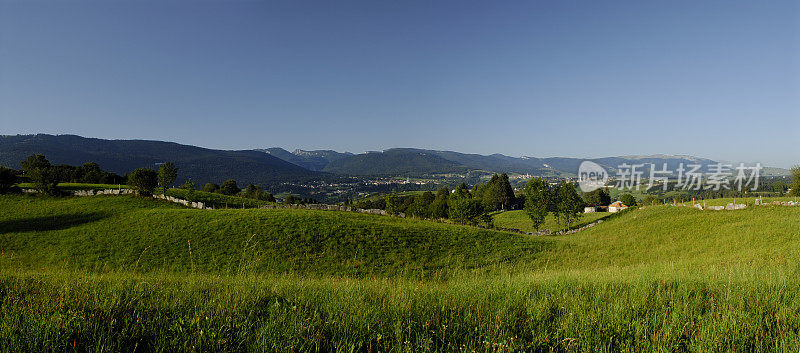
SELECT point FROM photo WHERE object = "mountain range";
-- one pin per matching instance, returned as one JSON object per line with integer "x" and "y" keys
{"x": 277, "y": 165}
{"x": 122, "y": 156}
{"x": 419, "y": 162}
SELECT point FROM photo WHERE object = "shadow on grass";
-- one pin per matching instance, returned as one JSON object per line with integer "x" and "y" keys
{"x": 45, "y": 223}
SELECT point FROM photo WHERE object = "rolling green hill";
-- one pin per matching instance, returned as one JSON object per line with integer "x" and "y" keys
{"x": 114, "y": 231}
{"x": 132, "y": 232}
{"x": 123, "y": 273}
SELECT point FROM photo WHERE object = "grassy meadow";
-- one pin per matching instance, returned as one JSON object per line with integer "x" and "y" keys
{"x": 125, "y": 273}
{"x": 750, "y": 201}
{"x": 517, "y": 219}
{"x": 78, "y": 186}
{"x": 216, "y": 200}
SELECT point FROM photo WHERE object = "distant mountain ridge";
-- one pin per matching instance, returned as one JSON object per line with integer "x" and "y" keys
{"x": 274, "y": 166}
{"x": 312, "y": 160}
{"x": 421, "y": 162}
{"x": 121, "y": 156}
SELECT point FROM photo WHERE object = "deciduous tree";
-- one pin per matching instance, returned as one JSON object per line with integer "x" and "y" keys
{"x": 41, "y": 173}
{"x": 465, "y": 210}
{"x": 144, "y": 180}
{"x": 569, "y": 206}
{"x": 599, "y": 197}
{"x": 439, "y": 204}
{"x": 167, "y": 173}
{"x": 796, "y": 181}
{"x": 229, "y": 187}
{"x": 537, "y": 198}
{"x": 210, "y": 187}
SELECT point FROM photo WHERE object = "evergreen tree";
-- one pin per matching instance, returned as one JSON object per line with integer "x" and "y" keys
{"x": 506, "y": 192}
{"x": 796, "y": 181}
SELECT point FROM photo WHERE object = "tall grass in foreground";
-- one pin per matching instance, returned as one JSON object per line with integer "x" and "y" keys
{"x": 66, "y": 311}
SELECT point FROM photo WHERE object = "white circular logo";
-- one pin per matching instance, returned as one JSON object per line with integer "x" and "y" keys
{"x": 591, "y": 176}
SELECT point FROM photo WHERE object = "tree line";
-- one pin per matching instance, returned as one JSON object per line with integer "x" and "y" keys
{"x": 462, "y": 205}
{"x": 45, "y": 178}
{"x": 474, "y": 206}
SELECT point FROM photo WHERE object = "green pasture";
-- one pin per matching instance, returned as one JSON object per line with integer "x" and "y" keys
{"x": 126, "y": 273}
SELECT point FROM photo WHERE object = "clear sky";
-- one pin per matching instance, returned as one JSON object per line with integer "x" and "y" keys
{"x": 717, "y": 78}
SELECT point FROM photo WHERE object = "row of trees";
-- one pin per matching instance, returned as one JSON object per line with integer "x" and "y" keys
{"x": 562, "y": 200}
{"x": 146, "y": 180}
{"x": 460, "y": 206}
{"x": 46, "y": 177}
{"x": 539, "y": 199}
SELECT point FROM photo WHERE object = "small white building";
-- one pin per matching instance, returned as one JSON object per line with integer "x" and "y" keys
{"x": 616, "y": 207}
{"x": 589, "y": 209}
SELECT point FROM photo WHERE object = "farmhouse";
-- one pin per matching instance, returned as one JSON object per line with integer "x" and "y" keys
{"x": 616, "y": 207}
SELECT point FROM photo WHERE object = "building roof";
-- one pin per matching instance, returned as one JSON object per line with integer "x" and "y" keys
{"x": 617, "y": 204}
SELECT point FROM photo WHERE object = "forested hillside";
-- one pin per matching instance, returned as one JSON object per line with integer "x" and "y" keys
{"x": 122, "y": 156}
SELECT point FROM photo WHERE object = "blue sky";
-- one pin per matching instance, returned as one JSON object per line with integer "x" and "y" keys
{"x": 718, "y": 79}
